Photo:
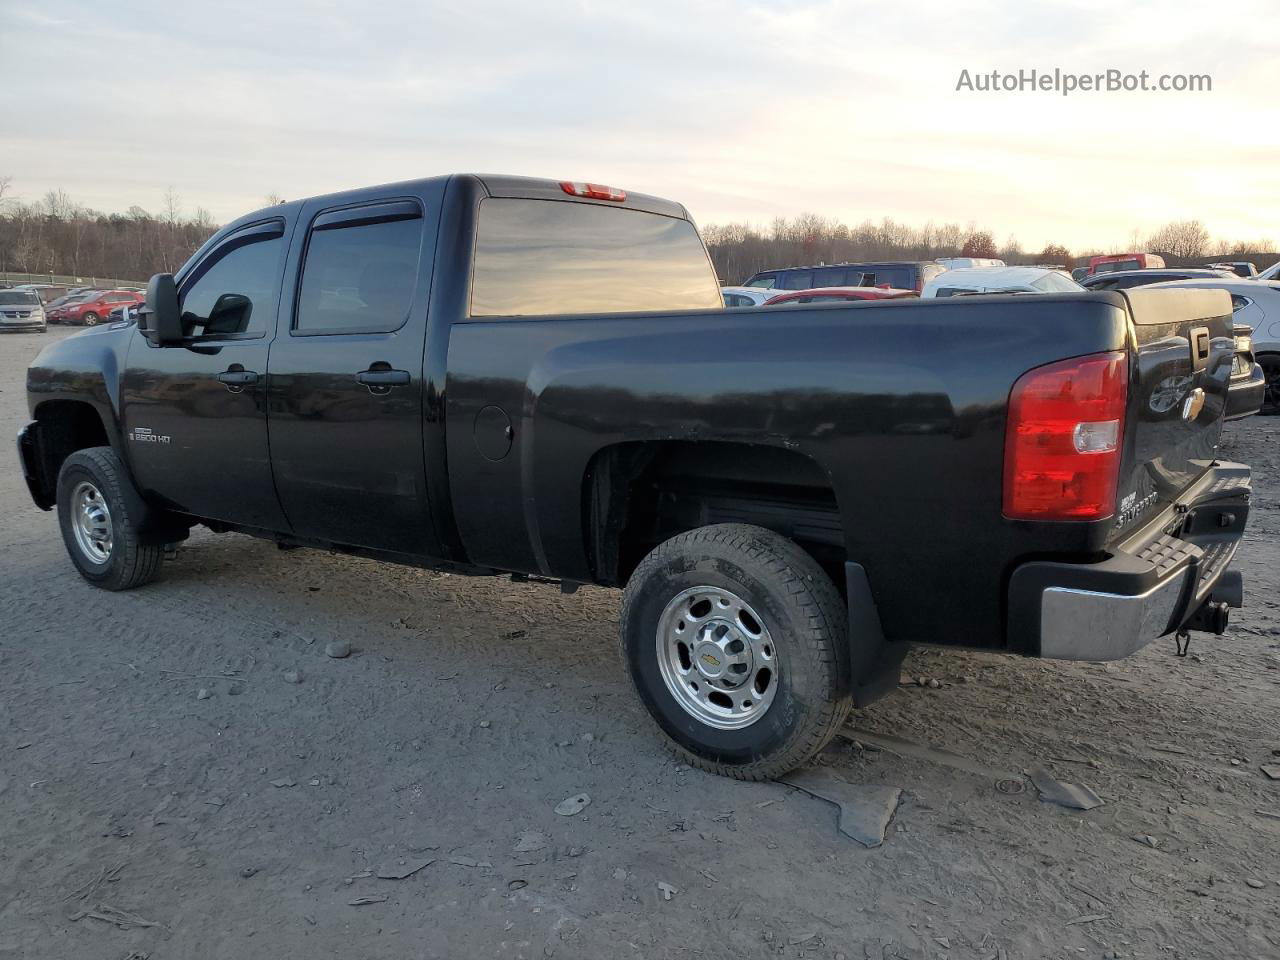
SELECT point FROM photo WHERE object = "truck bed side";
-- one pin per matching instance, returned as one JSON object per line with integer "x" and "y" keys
{"x": 897, "y": 409}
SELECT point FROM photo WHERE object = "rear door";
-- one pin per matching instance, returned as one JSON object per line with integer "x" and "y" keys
{"x": 346, "y": 387}
{"x": 1184, "y": 352}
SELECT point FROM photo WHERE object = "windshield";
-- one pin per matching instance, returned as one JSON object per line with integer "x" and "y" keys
{"x": 1055, "y": 283}
{"x": 26, "y": 298}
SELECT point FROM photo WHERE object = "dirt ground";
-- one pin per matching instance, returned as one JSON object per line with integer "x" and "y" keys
{"x": 159, "y": 767}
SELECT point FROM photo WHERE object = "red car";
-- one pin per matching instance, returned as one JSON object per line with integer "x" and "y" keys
{"x": 94, "y": 307}
{"x": 1124, "y": 261}
{"x": 837, "y": 294}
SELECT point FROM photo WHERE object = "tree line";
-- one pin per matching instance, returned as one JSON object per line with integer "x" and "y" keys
{"x": 57, "y": 235}
{"x": 740, "y": 249}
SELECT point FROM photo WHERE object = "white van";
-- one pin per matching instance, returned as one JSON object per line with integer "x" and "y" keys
{"x": 957, "y": 263}
{"x": 969, "y": 280}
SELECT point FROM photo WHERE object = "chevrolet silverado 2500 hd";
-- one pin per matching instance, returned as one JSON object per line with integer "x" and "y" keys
{"x": 502, "y": 375}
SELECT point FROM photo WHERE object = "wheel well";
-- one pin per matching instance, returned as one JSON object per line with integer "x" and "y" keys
{"x": 636, "y": 495}
{"x": 65, "y": 427}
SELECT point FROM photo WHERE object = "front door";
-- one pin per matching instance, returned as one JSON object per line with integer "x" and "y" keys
{"x": 345, "y": 392}
{"x": 194, "y": 414}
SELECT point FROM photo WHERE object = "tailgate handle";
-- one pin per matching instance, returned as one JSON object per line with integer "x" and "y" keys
{"x": 1200, "y": 344}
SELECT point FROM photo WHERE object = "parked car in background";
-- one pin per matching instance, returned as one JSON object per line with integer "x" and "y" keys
{"x": 973, "y": 280}
{"x": 956, "y": 263}
{"x": 1270, "y": 273}
{"x": 21, "y": 312}
{"x": 1247, "y": 389}
{"x": 745, "y": 296}
{"x": 1079, "y": 273}
{"x": 1241, "y": 268}
{"x": 94, "y": 307}
{"x": 898, "y": 274}
{"x": 1112, "y": 262}
{"x": 126, "y": 311}
{"x": 1256, "y": 304}
{"x": 1124, "y": 279}
{"x": 45, "y": 291}
{"x": 75, "y": 293}
{"x": 839, "y": 295}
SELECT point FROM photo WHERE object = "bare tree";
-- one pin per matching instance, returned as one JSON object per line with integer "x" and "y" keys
{"x": 272, "y": 199}
{"x": 1186, "y": 239}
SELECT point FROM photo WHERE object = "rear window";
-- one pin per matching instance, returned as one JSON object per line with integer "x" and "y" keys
{"x": 539, "y": 257}
{"x": 1115, "y": 265}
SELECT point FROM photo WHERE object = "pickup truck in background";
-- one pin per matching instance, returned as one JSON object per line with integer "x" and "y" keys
{"x": 501, "y": 375}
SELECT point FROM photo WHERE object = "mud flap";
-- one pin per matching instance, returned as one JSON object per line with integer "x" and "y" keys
{"x": 874, "y": 663}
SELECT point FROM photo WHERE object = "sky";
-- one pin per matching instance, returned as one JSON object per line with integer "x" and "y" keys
{"x": 743, "y": 111}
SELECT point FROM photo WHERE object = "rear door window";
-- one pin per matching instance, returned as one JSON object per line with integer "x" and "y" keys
{"x": 361, "y": 269}
{"x": 542, "y": 257}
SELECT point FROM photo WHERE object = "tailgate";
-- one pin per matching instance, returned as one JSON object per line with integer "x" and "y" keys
{"x": 1184, "y": 348}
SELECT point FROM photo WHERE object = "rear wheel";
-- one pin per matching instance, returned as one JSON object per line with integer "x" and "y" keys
{"x": 90, "y": 319}
{"x": 734, "y": 638}
{"x": 1270, "y": 364}
{"x": 100, "y": 516}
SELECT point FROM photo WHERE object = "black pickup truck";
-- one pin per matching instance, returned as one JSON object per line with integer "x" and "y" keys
{"x": 502, "y": 375}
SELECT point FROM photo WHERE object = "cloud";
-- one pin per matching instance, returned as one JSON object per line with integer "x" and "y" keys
{"x": 741, "y": 110}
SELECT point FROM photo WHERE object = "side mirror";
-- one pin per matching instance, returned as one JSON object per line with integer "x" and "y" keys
{"x": 230, "y": 314}
{"x": 161, "y": 317}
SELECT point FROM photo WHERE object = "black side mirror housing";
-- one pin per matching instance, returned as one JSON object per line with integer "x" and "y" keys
{"x": 161, "y": 317}
{"x": 230, "y": 314}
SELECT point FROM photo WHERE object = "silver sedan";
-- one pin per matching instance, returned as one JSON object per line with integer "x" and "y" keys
{"x": 1255, "y": 303}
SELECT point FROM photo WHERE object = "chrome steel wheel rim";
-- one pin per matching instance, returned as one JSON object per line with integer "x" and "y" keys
{"x": 717, "y": 657}
{"x": 91, "y": 522}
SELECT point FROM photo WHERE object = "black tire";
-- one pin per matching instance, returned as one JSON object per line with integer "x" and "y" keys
{"x": 129, "y": 562}
{"x": 90, "y": 319}
{"x": 1270, "y": 363}
{"x": 804, "y": 618}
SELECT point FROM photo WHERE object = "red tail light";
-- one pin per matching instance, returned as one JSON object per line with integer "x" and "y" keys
{"x": 593, "y": 191}
{"x": 1062, "y": 443}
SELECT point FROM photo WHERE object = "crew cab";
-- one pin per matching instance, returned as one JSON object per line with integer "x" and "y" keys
{"x": 496, "y": 375}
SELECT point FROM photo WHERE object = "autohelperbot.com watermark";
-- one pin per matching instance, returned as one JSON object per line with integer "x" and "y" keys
{"x": 1065, "y": 82}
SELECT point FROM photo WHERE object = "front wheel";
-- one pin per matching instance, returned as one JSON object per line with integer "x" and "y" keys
{"x": 734, "y": 638}
{"x": 100, "y": 516}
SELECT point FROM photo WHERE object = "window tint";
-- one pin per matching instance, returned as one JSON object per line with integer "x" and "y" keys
{"x": 1238, "y": 302}
{"x": 238, "y": 293}
{"x": 767, "y": 281}
{"x": 539, "y": 257}
{"x": 796, "y": 280}
{"x": 359, "y": 277}
{"x": 951, "y": 292}
{"x": 900, "y": 277}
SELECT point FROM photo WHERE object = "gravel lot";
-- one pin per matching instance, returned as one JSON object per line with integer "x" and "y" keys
{"x": 187, "y": 756}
